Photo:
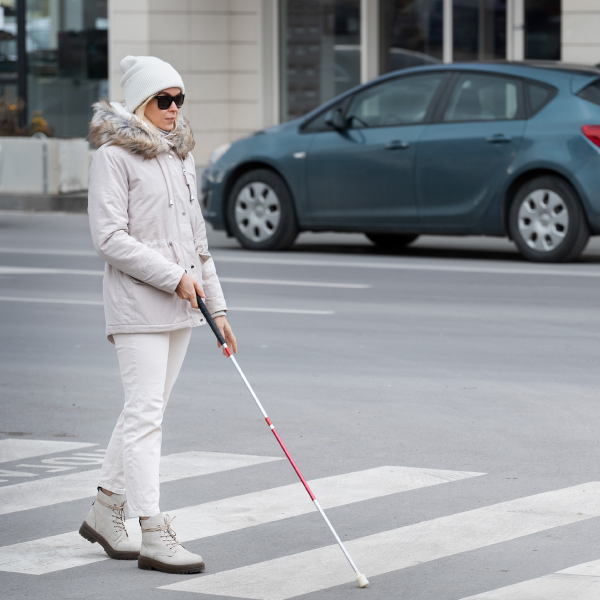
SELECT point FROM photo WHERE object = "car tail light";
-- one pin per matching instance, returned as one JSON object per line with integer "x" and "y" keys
{"x": 592, "y": 133}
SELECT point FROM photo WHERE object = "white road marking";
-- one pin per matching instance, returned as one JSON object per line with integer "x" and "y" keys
{"x": 51, "y": 300}
{"x": 222, "y": 516}
{"x": 75, "y": 486}
{"x": 286, "y": 311}
{"x": 52, "y": 271}
{"x": 388, "y": 551}
{"x": 19, "y": 449}
{"x": 416, "y": 265}
{"x": 581, "y": 582}
{"x": 7, "y": 473}
{"x": 353, "y": 286}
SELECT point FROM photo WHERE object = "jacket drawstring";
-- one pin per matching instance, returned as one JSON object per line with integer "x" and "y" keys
{"x": 174, "y": 247}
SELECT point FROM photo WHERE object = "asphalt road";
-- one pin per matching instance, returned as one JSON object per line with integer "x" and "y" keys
{"x": 456, "y": 363}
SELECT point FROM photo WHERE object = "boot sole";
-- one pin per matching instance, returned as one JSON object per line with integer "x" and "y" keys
{"x": 148, "y": 564}
{"x": 86, "y": 532}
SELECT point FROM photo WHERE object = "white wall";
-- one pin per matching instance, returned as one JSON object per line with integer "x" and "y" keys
{"x": 581, "y": 31}
{"x": 214, "y": 44}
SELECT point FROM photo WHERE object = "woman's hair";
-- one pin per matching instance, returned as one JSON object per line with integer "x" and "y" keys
{"x": 140, "y": 113}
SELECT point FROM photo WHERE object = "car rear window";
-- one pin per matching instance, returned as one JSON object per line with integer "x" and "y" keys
{"x": 591, "y": 92}
{"x": 538, "y": 96}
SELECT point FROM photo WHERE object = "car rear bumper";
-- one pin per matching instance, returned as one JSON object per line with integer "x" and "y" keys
{"x": 211, "y": 193}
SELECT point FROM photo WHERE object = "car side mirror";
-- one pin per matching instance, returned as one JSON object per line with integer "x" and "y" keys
{"x": 335, "y": 119}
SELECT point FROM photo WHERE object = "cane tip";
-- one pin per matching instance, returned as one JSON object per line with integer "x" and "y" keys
{"x": 362, "y": 580}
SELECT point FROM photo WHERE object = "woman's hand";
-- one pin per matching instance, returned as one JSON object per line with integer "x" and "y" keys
{"x": 227, "y": 333}
{"x": 187, "y": 289}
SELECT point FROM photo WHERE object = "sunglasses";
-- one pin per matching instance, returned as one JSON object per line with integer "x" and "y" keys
{"x": 165, "y": 101}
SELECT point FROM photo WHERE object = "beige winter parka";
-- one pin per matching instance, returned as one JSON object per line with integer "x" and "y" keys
{"x": 146, "y": 224}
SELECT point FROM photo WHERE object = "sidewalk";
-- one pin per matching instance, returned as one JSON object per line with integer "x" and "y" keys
{"x": 75, "y": 202}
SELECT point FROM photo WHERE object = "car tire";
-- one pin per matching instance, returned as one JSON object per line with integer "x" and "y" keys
{"x": 392, "y": 241}
{"x": 546, "y": 221}
{"x": 260, "y": 211}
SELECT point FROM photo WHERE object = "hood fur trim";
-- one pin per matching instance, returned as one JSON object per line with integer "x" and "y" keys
{"x": 113, "y": 124}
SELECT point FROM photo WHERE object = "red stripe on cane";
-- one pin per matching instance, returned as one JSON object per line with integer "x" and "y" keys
{"x": 228, "y": 352}
{"x": 268, "y": 421}
{"x": 285, "y": 450}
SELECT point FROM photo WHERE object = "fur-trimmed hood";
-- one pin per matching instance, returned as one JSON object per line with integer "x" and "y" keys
{"x": 113, "y": 124}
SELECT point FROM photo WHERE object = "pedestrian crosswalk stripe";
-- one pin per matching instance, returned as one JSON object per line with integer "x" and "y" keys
{"x": 581, "y": 582}
{"x": 214, "y": 518}
{"x": 396, "y": 549}
{"x": 75, "y": 486}
{"x": 19, "y": 449}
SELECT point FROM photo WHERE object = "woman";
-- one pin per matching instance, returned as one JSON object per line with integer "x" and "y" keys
{"x": 146, "y": 224}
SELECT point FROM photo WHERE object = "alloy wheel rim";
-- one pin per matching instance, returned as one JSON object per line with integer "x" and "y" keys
{"x": 543, "y": 220}
{"x": 257, "y": 211}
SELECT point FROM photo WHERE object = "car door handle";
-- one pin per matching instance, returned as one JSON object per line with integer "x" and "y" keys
{"x": 499, "y": 138}
{"x": 396, "y": 145}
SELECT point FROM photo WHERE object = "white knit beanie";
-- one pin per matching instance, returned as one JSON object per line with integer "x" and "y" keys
{"x": 144, "y": 76}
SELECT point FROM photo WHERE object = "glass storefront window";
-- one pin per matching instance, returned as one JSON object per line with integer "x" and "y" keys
{"x": 542, "y": 29}
{"x": 8, "y": 48}
{"x": 479, "y": 30}
{"x": 67, "y": 57}
{"x": 411, "y": 33}
{"x": 320, "y": 52}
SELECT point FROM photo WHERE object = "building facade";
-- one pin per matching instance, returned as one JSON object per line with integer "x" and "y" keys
{"x": 248, "y": 64}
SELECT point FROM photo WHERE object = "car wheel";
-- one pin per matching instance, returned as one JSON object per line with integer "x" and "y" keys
{"x": 261, "y": 211}
{"x": 392, "y": 241}
{"x": 547, "y": 222}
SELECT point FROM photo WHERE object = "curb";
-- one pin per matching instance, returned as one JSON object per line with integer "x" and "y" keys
{"x": 75, "y": 203}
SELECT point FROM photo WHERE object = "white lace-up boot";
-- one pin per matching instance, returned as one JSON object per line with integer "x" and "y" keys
{"x": 161, "y": 550}
{"x": 105, "y": 524}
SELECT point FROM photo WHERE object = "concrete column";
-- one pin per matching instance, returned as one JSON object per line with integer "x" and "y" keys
{"x": 369, "y": 40}
{"x": 448, "y": 36}
{"x": 128, "y": 33}
{"x": 269, "y": 63}
{"x": 580, "y": 24}
{"x": 515, "y": 30}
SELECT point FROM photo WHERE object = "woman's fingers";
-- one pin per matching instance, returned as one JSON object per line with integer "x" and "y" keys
{"x": 198, "y": 288}
{"x": 231, "y": 341}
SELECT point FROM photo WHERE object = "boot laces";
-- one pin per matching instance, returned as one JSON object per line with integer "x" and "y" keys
{"x": 118, "y": 516}
{"x": 166, "y": 533}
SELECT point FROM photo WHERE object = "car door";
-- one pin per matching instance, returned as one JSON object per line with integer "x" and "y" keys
{"x": 362, "y": 175}
{"x": 462, "y": 159}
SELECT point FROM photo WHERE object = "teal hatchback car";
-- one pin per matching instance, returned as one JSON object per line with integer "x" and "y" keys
{"x": 499, "y": 149}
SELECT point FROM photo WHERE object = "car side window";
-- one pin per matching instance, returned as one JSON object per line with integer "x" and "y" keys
{"x": 538, "y": 96}
{"x": 591, "y": 92}
{"x": 482, "y": 97}
{"x": 400, "y": 101}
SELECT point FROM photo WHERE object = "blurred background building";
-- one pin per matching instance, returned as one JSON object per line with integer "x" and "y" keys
{"x": 252, "y": 63}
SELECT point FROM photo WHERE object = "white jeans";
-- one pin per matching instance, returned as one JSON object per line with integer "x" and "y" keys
{"x": 150, "y": 364}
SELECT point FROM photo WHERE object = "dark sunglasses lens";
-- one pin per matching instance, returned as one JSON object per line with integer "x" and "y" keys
{"x": 164, "y": 102}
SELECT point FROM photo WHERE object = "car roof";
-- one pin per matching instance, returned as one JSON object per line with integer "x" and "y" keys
{"x": 533, "y": 68}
